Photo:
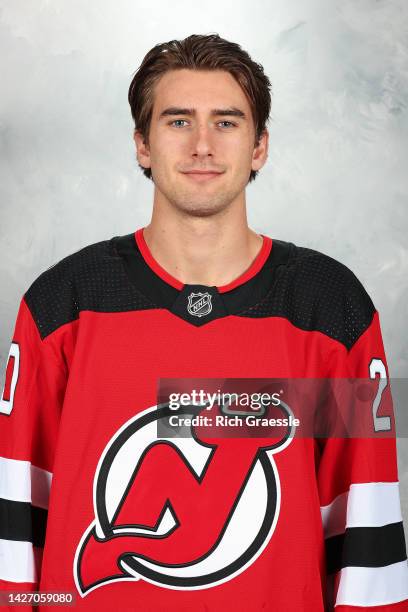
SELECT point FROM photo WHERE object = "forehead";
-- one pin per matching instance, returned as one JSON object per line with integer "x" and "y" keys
{"x": 199, "y": 89}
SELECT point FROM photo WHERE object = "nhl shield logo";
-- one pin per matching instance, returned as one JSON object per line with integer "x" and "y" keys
{"x": 199, "y": 304}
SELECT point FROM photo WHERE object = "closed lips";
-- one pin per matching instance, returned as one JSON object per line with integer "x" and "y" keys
{"x": 202, "y": 172}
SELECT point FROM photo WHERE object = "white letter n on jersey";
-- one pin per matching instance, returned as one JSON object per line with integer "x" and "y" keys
{"x": 11, "y": 377}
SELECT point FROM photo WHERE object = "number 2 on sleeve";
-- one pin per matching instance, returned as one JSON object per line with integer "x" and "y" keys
{"x": 377, "y": 366}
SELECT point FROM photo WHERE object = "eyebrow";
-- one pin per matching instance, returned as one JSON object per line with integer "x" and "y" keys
{"x": 191, "y": 112}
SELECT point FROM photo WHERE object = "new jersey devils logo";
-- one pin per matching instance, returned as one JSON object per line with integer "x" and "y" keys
{"x": 181, "y": 513}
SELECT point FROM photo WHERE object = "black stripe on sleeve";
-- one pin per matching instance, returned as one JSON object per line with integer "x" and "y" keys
{"x": 366, "y": 547}
{"x": 20, "y": 521}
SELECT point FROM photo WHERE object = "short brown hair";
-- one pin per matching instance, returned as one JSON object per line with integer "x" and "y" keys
{"x": 199, "y": 52}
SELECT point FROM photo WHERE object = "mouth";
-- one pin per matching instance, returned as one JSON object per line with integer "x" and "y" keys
{"x": 202, "y": 175}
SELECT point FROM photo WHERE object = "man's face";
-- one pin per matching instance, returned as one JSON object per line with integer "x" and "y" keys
{"x": 201, "y": 121}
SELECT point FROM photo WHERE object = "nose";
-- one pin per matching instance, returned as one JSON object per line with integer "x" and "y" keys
{"x": 202, "y": 141}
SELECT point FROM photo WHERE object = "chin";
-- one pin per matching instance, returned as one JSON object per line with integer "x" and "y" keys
{"x": 203, "y": 208}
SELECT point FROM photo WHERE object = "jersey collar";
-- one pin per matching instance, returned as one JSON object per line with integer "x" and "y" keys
{"x": 198, "y": 304}
{"x": 253, "y": 269}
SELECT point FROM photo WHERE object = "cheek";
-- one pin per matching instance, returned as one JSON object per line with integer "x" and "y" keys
{"x": 167, "y": 149}
{"x": 241, "y": 156}
{"x": 238, "y": 148}
{"x": 161, "y": 156}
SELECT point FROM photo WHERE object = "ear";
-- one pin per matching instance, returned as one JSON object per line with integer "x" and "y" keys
{"x": 260, "y": 153}
{"x": 142, "y": 149}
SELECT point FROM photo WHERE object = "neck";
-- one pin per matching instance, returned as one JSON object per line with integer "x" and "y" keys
{"x": 212, "y": 250}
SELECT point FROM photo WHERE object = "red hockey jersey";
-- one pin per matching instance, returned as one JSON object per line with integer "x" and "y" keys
{"x": 95, "y": 503}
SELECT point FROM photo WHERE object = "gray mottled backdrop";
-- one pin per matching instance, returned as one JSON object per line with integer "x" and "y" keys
{"x": 336, "y": 179}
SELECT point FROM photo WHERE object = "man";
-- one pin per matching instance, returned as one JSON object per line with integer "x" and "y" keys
{"x": 138, "y": 519}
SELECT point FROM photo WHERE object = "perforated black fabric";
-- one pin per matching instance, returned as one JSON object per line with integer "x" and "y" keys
{"x": 93, "y": 278}
{"x": 318, "y": 293}
{"x": 312, "y": 290}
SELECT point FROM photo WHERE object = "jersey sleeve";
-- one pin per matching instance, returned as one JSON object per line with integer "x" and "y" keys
{"x": 30, "y": 408}
{"x": 359, "y": 495}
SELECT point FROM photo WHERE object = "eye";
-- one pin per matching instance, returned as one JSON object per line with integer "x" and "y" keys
{"x": 230, "y": 123}
{"x": 178, "y": 121}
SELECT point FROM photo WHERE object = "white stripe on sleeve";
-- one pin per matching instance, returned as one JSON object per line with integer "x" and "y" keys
{"x": 368, "y": 504}
{"x": 21, "y": 481}
{"x": 19, "y": 561}
{"x": 373, "y": 586}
